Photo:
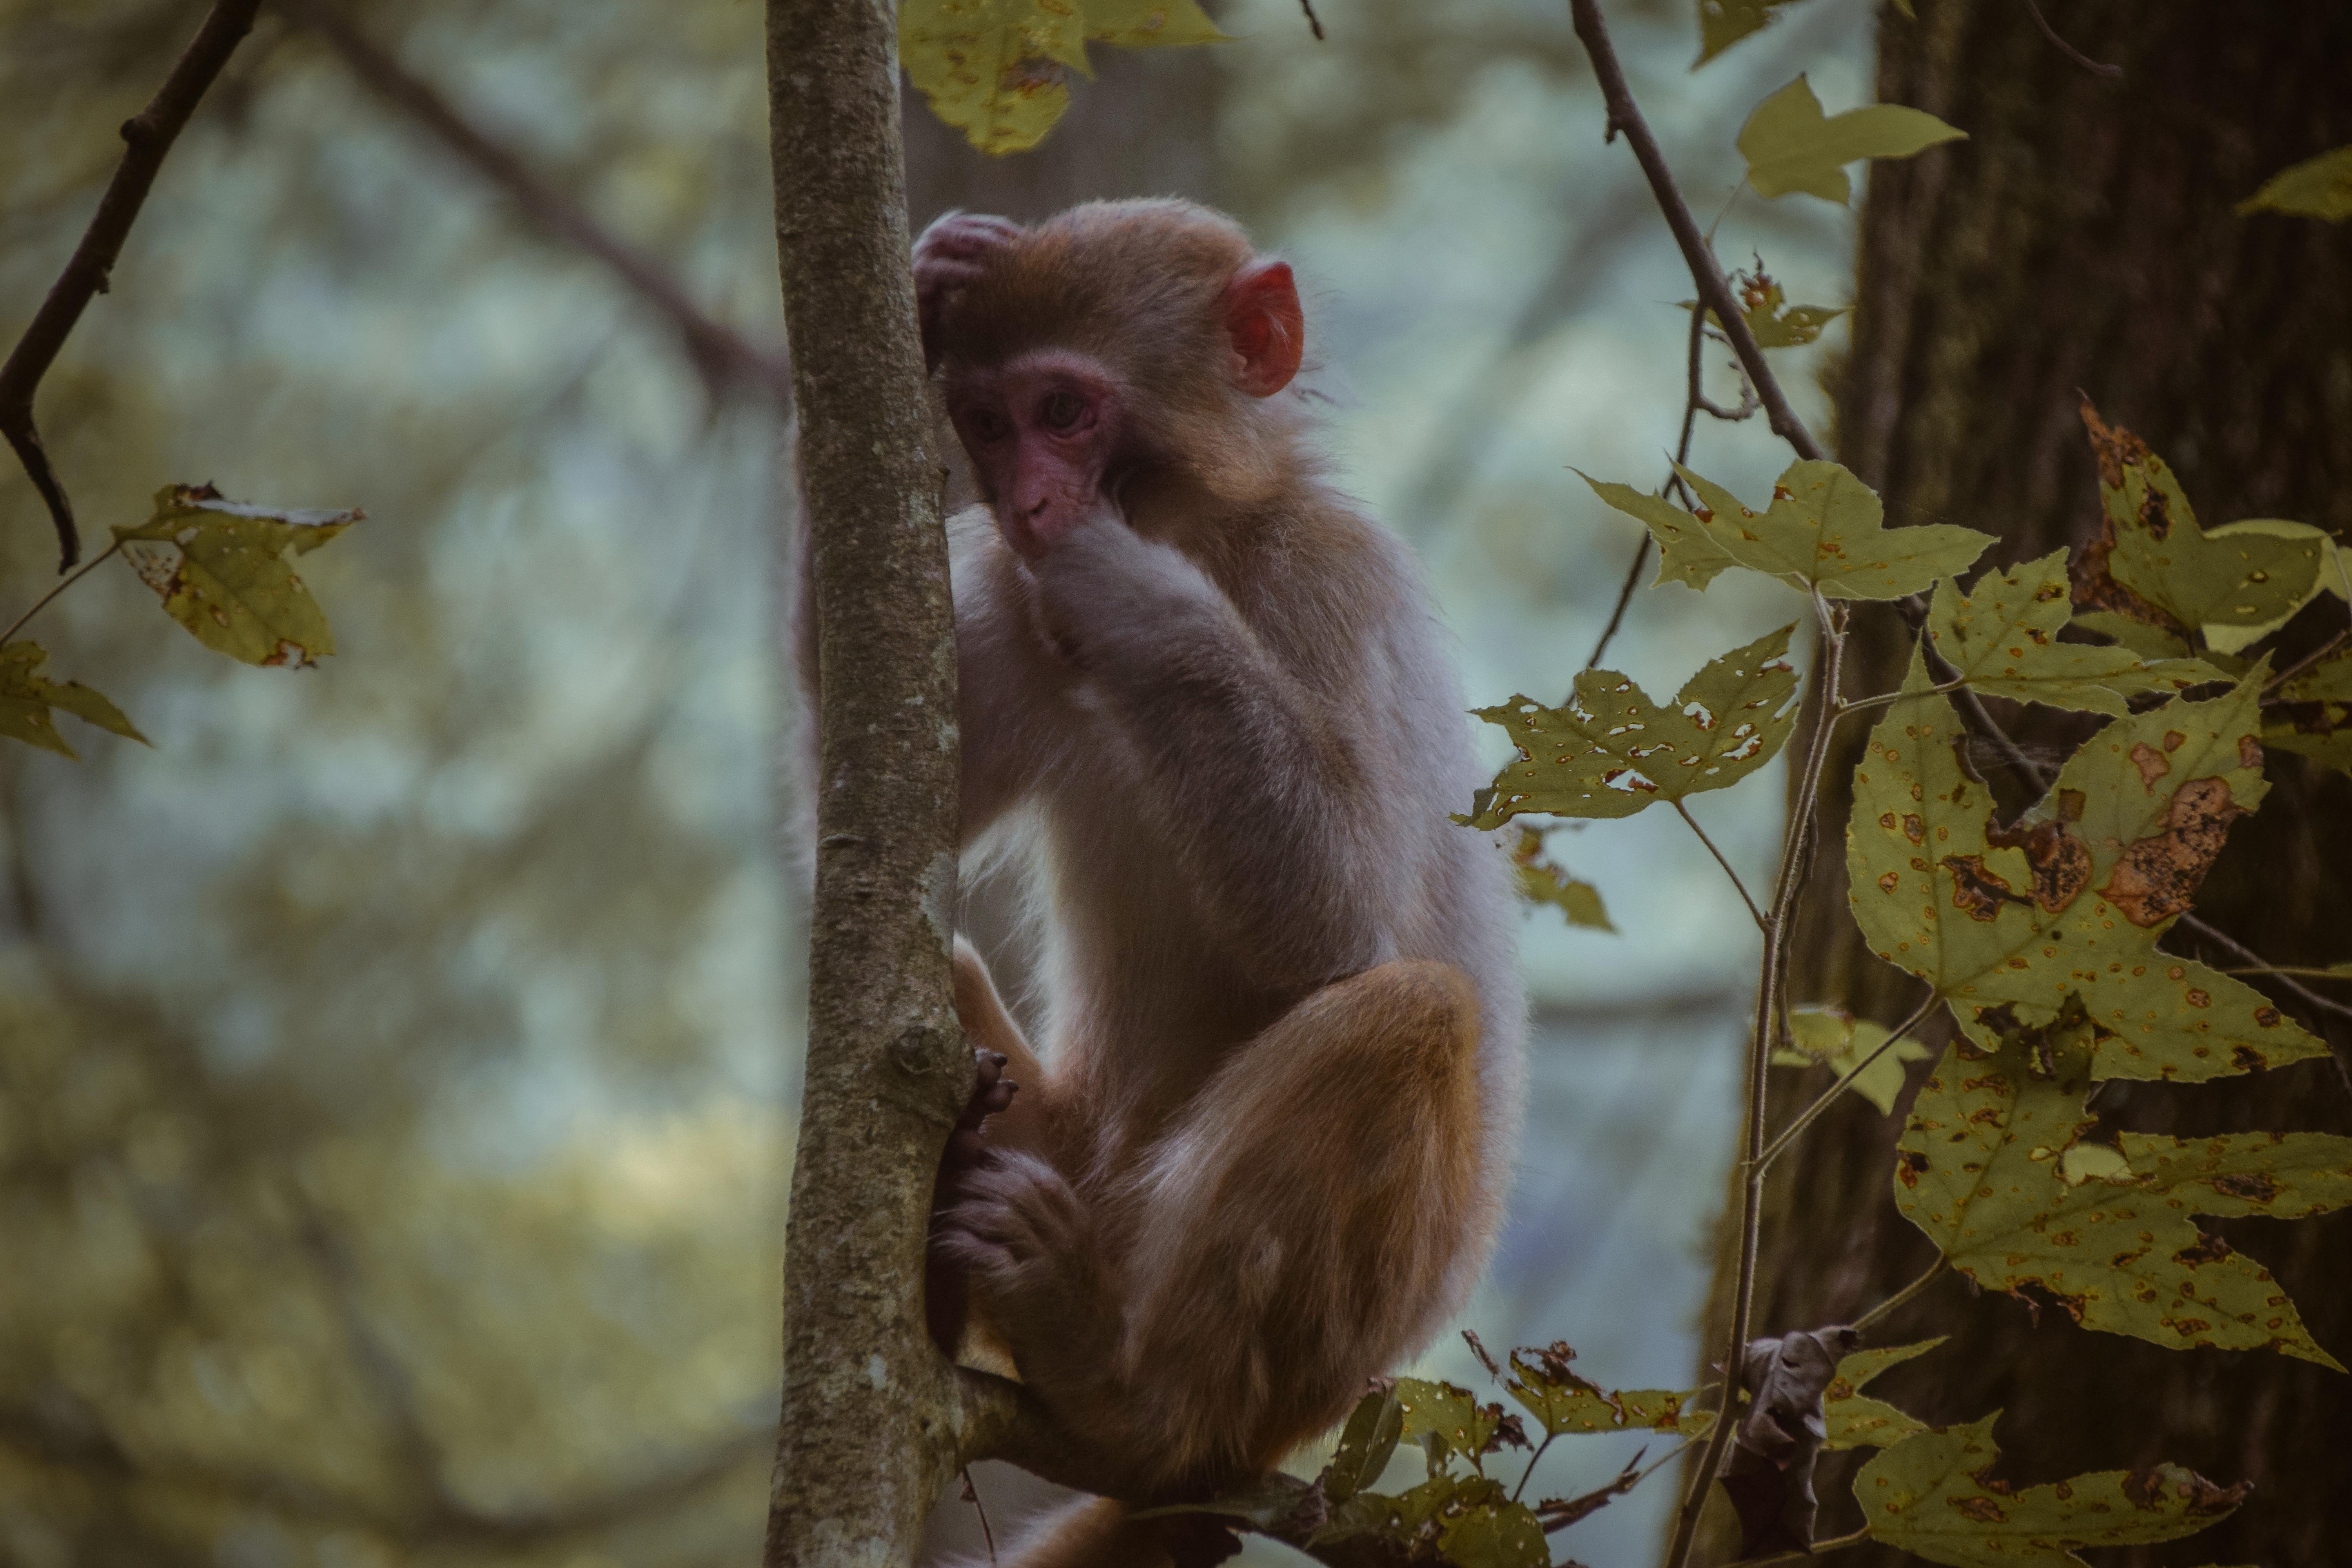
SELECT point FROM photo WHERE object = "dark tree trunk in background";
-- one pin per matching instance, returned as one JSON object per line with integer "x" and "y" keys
{"x": 2085, "y": 237}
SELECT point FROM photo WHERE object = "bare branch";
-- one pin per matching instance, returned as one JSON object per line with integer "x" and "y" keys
{"x": 148, "y": 135}
{"x": 2069, "y": 50}
{"x": 722, "y": 356}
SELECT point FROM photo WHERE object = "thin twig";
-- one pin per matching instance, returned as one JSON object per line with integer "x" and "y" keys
{"x": 42, "y": 602}
{"x": 1805, "y": 1119}
{"x": 1714, "y": 290}
{"x": 147, "y": 136}
{"x": 972, "y": 1496}
{"x": 2296, "y": 969}
{"x": 1787, "y": 885}
{"x": 1692, "y": 398}
{"x": 1312, "y": 19}
{"x": 1885, "y": 697}
{"x": 719, "y": 354}
{"x": 1624, "y": 598}
{"x": 1886, "y": 1309}
{"x": 1835, "y": 1544}
{"x": 2069, "y": 50}
{"x": 2307, "y": 660}
{"x": 1758, "y": 915}
{"x": 1533, "y": 1459}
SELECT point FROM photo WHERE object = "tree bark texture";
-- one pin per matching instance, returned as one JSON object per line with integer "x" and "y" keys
{"x": 870, "y": 1410}
{"x": 2085, "y": 237}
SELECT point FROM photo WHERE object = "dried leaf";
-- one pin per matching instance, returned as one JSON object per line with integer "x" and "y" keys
{"x": 1541, "y": 882}
{"x": 1986, "y": 1168}
{"x": 1790, "y": 145}
{"x": 1856, "y": 1421}
{"x": 1932, "y": 1495}
{"x": 220, "y": 567}
{"x": 2006, "y": 921}
{"x": 1771, "y": 1478}
{"x": 27, "y": 699}
{"x": 1831, "y": 1037}
{"x": 1825, "y": 531}
{"x": 2003, "y": 637}
{"x": 1614, "y": 751}
{"x": 2317, "y": 187}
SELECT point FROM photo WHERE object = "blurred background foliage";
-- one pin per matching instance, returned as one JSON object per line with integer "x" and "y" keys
{"x": 397, "y": 1061}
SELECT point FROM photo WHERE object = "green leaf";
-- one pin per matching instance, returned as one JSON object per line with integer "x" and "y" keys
{"x": 2312, "y": 715}
{"x": 1932, "y": 1495}
{"x": 1551, "y": 1391}
{"x": 2317, "y": 187}
{"x": 998, "y": 70}
{"x": 1366, "y": 1442}
{"x": 1501, "y": 1534}
{"x": 1686, "y": 553}
{"x": 1541, "y": 882}
{"x": 2003, "y": 637}
{"x": 1722, "y": 23}
{"x": 27, "y": 699}
{"x": 2005, "y": 922}
{"x": 1984, "y": 1168}
{"x": 220, "y": 568}
{"x": 1446, "y": 1419}
{"x": 1790, "y": 146}
{"x": 1856, "y": 1422}
{"x": 1824, "y": 531}
{"x": 1613, "y": 751}
{"x": 1831, "y": 1037}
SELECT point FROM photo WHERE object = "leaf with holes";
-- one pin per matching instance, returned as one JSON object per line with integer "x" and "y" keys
{"x": 1614, "y": 751}
{"x": 1790, "y": 145}
{"x": 221, "y": 568}
{"x": 1776, "y": 323}
{"x": 998, "y": 70}
{"x": 1686, "y": 554}
{"x": 1932, "y": 1495}
{"x": 2006, "y": 921}
{"x": 1856, "y": 1421}
{"x": 1541, "y": 882}
{"x": 2003, "y": 637}
{"x": 1825, "y": 531}
{"x": 2317, "y": 187}
{"x": 1371, "y": 1435}
{"x": 27, "y": 698}
{"x": 1986, "y": 1167}
{"x": 1834, "y": 1038}
{"x": 1564, "y": 1403}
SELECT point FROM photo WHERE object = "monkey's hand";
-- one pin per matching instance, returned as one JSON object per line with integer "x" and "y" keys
{"x": 1104, "y": 590}
{"x": 955, "y": 249}
{"x": 1027, "y": 1245}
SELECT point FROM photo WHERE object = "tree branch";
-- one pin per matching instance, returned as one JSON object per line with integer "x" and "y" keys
{"x": 1714, "y": 287}
{"x": 872, "y": 1414}
{"x": 148, "y": 135}
{"x": 723, "y": 356}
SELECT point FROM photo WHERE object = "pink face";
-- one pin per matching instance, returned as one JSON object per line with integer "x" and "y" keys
{"x": 1041, "y": 431}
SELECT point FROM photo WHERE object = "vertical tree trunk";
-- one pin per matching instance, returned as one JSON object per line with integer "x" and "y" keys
{"x": 869, "y": 1407}
{"x": 2085, "y": 237}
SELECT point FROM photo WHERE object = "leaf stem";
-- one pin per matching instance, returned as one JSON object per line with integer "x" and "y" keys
{"x": 1835, "y": 1544}
{"x": 1529, "y": 1474}
{"x": 2338, "y": 973}
{"x": 42, "y": 602}
{"x": 1805, "y": 1118}
{"x": 1885, "y": 697}
{"x": 1886, "y": 1308}
{"x": 1758, "y": 915}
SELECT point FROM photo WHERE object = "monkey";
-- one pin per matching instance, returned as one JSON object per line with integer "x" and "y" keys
{"x": 1263, "y": 1153}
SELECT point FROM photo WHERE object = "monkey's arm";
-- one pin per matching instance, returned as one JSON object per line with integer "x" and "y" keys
{"x": 1272, "y": 807}
{"x": 1007, "y": 687}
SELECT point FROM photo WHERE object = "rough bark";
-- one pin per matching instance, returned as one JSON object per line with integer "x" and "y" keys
{"x": 870, "y": 1410}
{"x": 2084, "y": 238}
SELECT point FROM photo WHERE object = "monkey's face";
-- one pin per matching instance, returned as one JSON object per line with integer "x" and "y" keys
{"x": 1041, "y": 430}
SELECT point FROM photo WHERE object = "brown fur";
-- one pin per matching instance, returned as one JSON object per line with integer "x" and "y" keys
{"x": 1262, "y": 1155}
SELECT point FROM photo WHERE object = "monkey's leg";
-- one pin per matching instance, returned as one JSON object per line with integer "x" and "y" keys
{"x": 994, "y": 1115}
{"x": 1296, "y": 1230}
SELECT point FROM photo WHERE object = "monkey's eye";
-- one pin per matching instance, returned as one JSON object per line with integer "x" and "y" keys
{"x": 1062, "y": 411}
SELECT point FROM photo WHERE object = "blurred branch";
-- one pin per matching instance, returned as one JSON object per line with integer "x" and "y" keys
{"x": 148, "y": 136}
{"x": 722, "y": 356}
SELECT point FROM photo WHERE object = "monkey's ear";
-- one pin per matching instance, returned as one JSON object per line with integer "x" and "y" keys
{"x": 1265, "y": 327}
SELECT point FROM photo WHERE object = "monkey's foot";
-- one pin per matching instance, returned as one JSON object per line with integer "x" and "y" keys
{"x": 1025, "y": 1240}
